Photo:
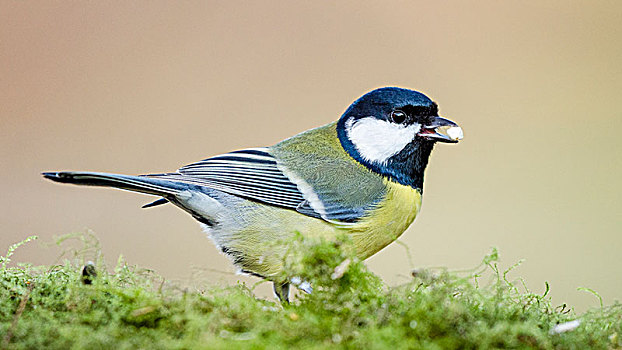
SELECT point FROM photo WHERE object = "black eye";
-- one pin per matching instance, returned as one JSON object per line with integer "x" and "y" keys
{"x": 398, "y": 117}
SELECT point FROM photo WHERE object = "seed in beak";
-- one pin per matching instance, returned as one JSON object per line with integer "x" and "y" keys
{"x": 455, "y": 133}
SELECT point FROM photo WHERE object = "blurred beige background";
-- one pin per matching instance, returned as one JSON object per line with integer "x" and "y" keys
{"x": 148, "y": 86}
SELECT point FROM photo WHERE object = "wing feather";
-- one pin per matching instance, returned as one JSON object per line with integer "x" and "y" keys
{"x": 255, "y": 174}
{"x": 250, "y": 173}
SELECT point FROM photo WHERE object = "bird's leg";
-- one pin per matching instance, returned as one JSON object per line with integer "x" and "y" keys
{"x": 282, "y": 291}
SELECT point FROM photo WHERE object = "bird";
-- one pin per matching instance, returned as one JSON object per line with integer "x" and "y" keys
{"x": 361, "y": 176}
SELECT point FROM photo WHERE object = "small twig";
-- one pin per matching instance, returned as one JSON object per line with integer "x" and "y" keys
{"x": 595, "y": 293}
{"x": 408, "y": 255}
{"x": 18, "y": 314}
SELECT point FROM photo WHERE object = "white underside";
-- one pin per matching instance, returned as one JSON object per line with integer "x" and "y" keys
{"x": 207, "y": 207}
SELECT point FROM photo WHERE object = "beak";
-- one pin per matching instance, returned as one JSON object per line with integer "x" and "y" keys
{"x": 442, "y": 130}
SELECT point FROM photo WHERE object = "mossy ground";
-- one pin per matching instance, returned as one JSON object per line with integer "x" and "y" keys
{"x": 127, "y": 308}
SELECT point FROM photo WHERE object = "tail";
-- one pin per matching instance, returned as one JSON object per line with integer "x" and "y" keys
{"x": 164, "y": 188}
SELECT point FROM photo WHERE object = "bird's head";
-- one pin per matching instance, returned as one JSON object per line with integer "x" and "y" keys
{"x": 392, "y": 132}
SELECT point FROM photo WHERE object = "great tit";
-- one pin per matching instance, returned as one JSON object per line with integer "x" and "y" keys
{"x": 361, "y": 175}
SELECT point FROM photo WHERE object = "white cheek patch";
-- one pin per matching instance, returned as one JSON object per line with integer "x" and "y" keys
{"x": 378, "y": 140}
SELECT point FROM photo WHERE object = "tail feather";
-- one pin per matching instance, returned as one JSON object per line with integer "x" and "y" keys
{"x": 140, "y": 184}
{"x": 155, "y": 203}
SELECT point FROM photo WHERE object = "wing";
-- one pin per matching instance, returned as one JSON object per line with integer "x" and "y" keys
{"x": 250, "y": 173}
{"x": 334, "y": 185}
{"x": 309, "y": 173}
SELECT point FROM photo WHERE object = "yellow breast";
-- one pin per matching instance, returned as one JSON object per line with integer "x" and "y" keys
{"x": 385, "y": 223}
{"x": 261, "y": 237}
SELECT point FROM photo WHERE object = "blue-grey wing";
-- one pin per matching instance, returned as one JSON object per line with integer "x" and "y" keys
{"x": 334, "y": 184}
{"x": 250, "y": 173}
{"x": 255, "y": 174}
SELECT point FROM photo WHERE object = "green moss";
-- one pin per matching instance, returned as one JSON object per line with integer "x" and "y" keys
{"x": 52, "y": 307}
